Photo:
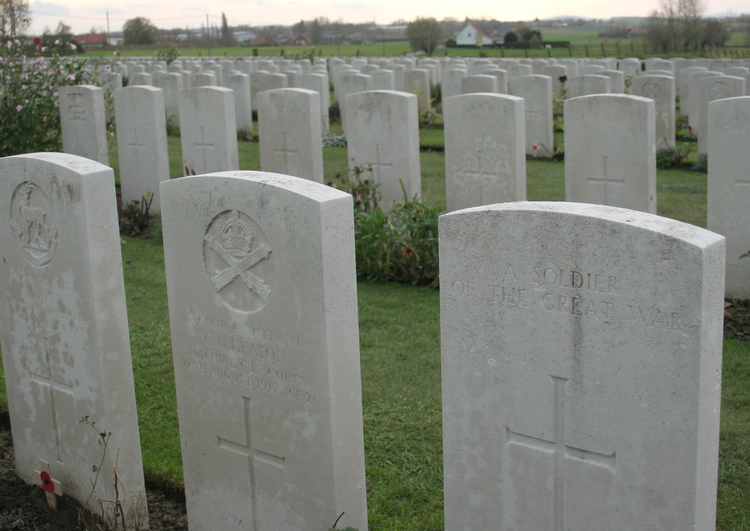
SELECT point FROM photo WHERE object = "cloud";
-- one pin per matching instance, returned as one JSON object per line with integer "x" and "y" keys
{"x": 44, "y": 8}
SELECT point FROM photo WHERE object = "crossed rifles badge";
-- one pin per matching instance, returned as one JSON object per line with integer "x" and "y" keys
{"x": 234, "y": 246}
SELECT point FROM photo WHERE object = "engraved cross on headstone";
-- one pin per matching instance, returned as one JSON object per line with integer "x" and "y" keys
{"x": 204, "y": 146}
{"x": 377, "y": 164}
{"x": 287, "y": 151}
{"x": 251, "y": 453}
{"x": 53, "y": 387}
{"x": 136, "y": 147}
{"x": 482, "y": 177}
{"x": 606, "y": 180}
{"x": 560, "y": 451}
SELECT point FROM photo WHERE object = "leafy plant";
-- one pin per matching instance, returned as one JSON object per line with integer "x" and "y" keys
{"x": 29, "y": 107}
{"x": 363, "y": 189}
{"x": 334, "y": 140}
{"x": 135, "y": 217}
{"x": 401, "y": 246}
{"x": 169, "y": 55}
{"x": 672, "y": 157}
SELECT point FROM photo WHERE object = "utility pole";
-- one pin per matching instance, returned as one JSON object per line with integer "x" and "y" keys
{"x": 107, "y": 24}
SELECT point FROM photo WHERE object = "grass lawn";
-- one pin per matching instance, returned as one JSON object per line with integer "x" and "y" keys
{"x": 400, "y": 353}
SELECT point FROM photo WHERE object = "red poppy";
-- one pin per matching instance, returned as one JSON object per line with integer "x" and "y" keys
{"x": 37, "y": 41}
{"x": 47, "y": 482}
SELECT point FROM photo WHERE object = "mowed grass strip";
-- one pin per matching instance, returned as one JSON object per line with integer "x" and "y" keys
{"x": 400, "y": 353}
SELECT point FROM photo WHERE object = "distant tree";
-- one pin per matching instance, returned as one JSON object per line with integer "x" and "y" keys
{"x": 425, "y": 34}
{"x": 510, "y": 37}
{"x": 299, "y": 28}
{"x": 62, "y": 29}
{"x": 227, "y": 35}
{"x": 139, "y": 30}
{"x": 316, "y": 33}
{"x": 526, "y": 33}
{"x": 14, "y": 17}
{"x": 715, "y": 33}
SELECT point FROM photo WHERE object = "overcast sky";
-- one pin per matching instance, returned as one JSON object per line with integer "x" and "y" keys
{"x": 81, "y": 15}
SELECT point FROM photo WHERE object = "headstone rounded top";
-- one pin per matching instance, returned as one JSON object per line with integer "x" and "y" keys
{"x": 690, "y": 234}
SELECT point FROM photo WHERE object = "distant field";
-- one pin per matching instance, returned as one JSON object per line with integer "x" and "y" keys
{"x": 580, "y": 38}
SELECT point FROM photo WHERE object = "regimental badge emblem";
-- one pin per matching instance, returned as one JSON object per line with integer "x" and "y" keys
{"x": 239, "y": 261}
{"x": 33, "y": 223}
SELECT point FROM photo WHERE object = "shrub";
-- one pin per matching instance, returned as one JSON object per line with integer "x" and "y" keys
{"x": 400, "y": 246}
{"x": 668, "y": 158}
{"x": 29, "y": 109}
{"x": 135, "y": 217}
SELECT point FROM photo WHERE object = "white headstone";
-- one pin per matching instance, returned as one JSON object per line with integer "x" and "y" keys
{"x": 351, "y": 84}
{"x": 261, "y": 81}
{"x": 661, "y": 89}
{"x": 610, "y": 151}
{"x": 83, "y": 121}
{"x": 290, "y": 140}
{"x": 140, "y": 79}
{"x": 172, "y": 88}
{"x": 319, "y": 83}
{"x": 451, "y": 82}
{"x": 581, "y": 368}
{"x": 617, "y": 79}
{"x": 384, "y": 134}
{"x": 485, "y": 161}
{"x": 537, "y": 91}
{"x": 710, "y": 89}
{"x": 729, "y": 186}
{"x": 587, "y": 85}
{"x": 417, "y": 82}
{"x": 263, "y": 309}
{"x": 693, "y": 80}
{"x": 64, "y": 330}
{"x": 243, "y": 112}
{"x": 141, "y": 143}
{"x": 208, "y": 130}
{"x": 684, "y": 87}
{"x": 479, "y": 83}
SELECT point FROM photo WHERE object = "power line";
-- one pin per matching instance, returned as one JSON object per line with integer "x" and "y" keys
{"x": 113, "y": 19}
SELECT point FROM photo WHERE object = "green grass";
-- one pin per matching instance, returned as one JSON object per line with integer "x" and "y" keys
{"x": 400, "y": 353}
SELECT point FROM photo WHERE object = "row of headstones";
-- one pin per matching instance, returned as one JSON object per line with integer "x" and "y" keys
{"x": 610, "y": 146}
{"x": 581, "y": 354}
{"x": 659, "y": 83}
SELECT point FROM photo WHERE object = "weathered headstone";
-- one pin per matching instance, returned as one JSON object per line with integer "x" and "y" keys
{"x": 208, "y": 130}
{"x": 479, "y": 83}
{"x": 290, "y": 142}
{"x": 729, "y": 186}
{"x": 351, "y": 84}
{"x": 263, "y": 308}
{"x": 384, "y": 134}
{"x": 64, "y": 331}
{"x": 610, "y": 151}
{"x": 710, "y": 89}
{"x": 661, "y": 89}
{"x": 536, "y": 90}
{"x": 485, "y": 161}
{"x": 417, "y": 82}
{"x": 451, "y": 82}
{"x": 83, "y": 121}
{"x": 141, "y": 143}
{"x": 319, "y": 83}
{"x": 581, "y": 368}
{"x": 243, "y": 112}
{"x": 261, "y": 81}
{"x": 587, "y": 85}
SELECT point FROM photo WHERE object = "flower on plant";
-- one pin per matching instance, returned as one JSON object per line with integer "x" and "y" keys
{"x": 9, "y": 44}
{"x": 57, "y": 41}
{"x": 19, "y": 107}
{"x": 408, "y": 251}
{"x": 37, "y": 41}
{"x": 111, "y": 133}
{"x": 55, "y": 95}
{"x": 72, "y": 77}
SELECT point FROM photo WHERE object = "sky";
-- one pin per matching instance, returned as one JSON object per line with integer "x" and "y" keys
{"x": 82, "y": 15}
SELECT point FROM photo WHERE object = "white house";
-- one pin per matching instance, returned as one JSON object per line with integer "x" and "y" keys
{"x": 473, "y": 35}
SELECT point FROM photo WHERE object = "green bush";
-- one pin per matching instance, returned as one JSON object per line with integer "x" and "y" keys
{"x": 673, "y": 157}
{"x": 29, "y": 108}
{"x": 401, "y": 246}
